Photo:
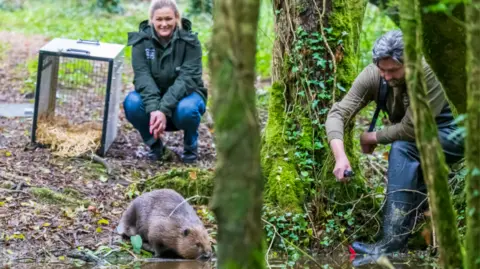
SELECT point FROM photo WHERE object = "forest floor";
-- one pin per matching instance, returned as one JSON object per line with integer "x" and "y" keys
{"x": 35, "y": 227}
{"x": 51, "y": 205}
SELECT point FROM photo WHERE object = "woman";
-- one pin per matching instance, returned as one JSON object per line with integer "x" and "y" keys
{"x": 169, "y": 93}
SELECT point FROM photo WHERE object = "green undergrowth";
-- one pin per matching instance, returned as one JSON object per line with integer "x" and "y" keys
{"x": 74, "y": 20}
{"x": 67, "y": 197}
{"x": 192, "y": 183}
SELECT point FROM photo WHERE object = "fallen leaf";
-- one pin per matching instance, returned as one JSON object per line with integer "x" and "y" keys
{"x": 18, "y": 236}
{"x": 103, "y": 222}
{"x": 385, "y": 155}
{"x": 45, "y": 170}
{"x": 98, "y": 230}
{"x": 2, "y": 204}
{"x": 8, "y": 154}
{"x": 46, "y": 224}
{"x": 103, "y": 179}
{"x": 192, "y": 175}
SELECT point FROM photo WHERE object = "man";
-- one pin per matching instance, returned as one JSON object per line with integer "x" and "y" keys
{"x": 404, "y": 169}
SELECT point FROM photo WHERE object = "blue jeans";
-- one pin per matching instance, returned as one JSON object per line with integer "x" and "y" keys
{"x": 404, "y": 168}
{"x": 186, "y": 117}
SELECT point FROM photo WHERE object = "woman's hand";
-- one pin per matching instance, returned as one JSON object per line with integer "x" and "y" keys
{"x": 158, "y": 123}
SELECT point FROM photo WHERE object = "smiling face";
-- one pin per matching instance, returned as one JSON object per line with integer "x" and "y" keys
{"x": 392, "y": 71}
{"x": 164, "y": 21}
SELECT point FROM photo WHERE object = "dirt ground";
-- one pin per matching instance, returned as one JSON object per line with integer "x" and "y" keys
{"x": 31, "y": 227}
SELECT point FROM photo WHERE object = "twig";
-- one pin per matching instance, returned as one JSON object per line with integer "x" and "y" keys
{"x": 321, "y": 14}
{"x": 311, "y": 221}
{"x": 370, "y": 163}
{"x": 102, "y": 161}
{"x": 14, "y": 191}
{"x": 19, "y": 186}
{"x": 270, "y": 247}
{"x": 10, "y": 176}
{"x": 293, "y": 245}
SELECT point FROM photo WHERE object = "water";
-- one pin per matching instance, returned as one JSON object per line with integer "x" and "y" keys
{"x": 323, "y": 262}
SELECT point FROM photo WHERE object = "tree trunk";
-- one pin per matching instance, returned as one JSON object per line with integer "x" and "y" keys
{"x": 237, "y": 201}
{"x": 444, "y": 46}
{"x": 314, "y": 61}
{"x": 434, "y": 168}
{"x": 473, "y": 138}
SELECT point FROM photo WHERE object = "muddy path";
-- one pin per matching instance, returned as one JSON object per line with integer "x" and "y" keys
{"x": 51, "y": 205}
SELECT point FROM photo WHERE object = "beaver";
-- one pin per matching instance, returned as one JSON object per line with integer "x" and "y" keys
{"x": 178, "y": 265}
{"x": 168, "y": 225}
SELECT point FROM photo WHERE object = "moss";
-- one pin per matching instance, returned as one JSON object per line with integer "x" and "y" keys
{"x": 49, "y": 196}
{"x": 188, "y": 182}
{"x": 347, "y": 17}
{"x": 283, "y": 188}
{"x": 306, "y": 140}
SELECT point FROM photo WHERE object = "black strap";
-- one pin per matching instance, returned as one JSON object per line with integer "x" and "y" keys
{"x": 381, "y": 102}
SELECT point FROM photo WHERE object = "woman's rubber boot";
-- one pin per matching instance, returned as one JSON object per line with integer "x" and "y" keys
{"x": 190, "y": 154}
{"x": 156, "y": 151}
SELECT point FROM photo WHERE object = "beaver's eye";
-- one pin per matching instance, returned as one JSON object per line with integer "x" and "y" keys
{"x": 199, "y": 245}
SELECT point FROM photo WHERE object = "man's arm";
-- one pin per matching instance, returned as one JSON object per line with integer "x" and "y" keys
{"x": 363, "y": 91}
{"x": 360, "y": 94}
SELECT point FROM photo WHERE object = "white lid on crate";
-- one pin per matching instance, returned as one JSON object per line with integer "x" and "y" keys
{"x": 85, "y": 48}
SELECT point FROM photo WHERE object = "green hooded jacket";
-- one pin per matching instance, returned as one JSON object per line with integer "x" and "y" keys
{"x": 165, "y": 75}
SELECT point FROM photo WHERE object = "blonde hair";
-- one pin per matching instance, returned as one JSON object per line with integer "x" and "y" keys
{"x": 158, "y": 4}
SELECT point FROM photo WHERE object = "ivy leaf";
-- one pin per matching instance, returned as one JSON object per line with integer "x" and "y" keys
{"x": 340, "y": 87}
{"x": 318, "y": 145}
{"x": 136, "y": 243}
{"x": 304, "y": 173}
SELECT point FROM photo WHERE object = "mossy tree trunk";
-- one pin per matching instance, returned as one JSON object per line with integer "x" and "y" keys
{"x": 313, "y": 63}
{"x": 444, "y": 45}
{"x": 472, "y": 155}
{"x": 434, "y": 167}
{"x": 238, "y": 186}
{"x": 444, "y": 40}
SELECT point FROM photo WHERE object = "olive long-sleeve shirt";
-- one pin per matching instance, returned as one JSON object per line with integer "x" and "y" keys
{"x": 365, "y": 89}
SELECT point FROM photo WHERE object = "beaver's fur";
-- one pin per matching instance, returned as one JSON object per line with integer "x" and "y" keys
{"x": 167, "y": 223}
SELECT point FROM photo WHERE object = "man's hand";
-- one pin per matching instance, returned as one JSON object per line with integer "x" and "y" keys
{"x": 158, "y": 123}
{"x": 341, "y": 160}
{"x": 368, "y": 142}
{"x": 341, "y": 165}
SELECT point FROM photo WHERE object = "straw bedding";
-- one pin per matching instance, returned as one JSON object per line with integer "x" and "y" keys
{"x": 68, "y": 140}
